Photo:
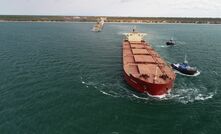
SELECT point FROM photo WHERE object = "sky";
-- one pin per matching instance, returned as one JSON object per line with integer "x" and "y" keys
{"x": 137, "y": 8}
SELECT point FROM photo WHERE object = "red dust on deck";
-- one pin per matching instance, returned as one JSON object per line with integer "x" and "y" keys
{"x": 144, "y": 69}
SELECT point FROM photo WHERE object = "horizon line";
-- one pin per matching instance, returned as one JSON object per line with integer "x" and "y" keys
{"x": 111, "y": 16}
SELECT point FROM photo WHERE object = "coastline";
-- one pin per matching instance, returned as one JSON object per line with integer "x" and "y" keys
{"x": 137, "y": 23}
{"x": 110, "y": 19}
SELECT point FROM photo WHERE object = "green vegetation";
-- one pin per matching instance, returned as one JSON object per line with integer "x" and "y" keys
{"x": 111, "y": 19}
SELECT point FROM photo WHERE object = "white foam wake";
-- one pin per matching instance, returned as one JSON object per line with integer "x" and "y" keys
{"x": 196, "y": 74}
{"x": 183, "y": 95}
{"x": 163, "y": 46}
{"x": 105, "y": 93}
{"x": 142, "y": 98}
{"x": 188, "y": 95}
{"x": 157, "y": 96}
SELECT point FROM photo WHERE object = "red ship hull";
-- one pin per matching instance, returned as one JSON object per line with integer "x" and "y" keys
{"x": 143, "y": 67}
{"x": 149, "y": 88}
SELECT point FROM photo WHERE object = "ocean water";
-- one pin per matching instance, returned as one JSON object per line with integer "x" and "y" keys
{"x": 61, "y": 78}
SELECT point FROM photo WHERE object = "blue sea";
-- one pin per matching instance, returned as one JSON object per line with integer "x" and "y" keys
{"x": 61, "y": 78}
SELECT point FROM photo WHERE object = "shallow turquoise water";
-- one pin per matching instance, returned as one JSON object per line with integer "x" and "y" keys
{"x": 62, "y": 78}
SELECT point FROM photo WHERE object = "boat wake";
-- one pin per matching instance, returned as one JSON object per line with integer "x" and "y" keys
{"x": 120, "y": 33}
{"x": 163, "y": 46}
{"x": 181, "y": 42}
{"x": 142, "y": 98}
{"x": 189, "y": 95}
{"x": 109, "y": 94}
{"x": 182, "y": 95}
{"x": 196, "y": 74}
{"x": 156, "y": 96}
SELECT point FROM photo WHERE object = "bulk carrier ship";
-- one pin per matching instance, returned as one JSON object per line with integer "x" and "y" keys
{"x": 99, "y": 25}
{"x": 144, "y": 69}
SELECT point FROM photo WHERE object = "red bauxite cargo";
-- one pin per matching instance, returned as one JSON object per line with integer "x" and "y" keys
{"x": 143, "y": 68}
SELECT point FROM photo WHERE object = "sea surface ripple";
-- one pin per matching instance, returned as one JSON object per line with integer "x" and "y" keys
{"x": 63, "y": 78}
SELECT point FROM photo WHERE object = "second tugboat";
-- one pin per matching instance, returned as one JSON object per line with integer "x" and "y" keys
{"x": 171, "y": 42}
{"x": 144, "y": 70}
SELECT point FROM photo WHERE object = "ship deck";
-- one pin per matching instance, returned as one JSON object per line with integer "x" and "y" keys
{"x": 141, "y": 61}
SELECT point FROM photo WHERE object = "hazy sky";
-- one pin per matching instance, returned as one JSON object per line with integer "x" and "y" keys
{"x": 155, "y": 8}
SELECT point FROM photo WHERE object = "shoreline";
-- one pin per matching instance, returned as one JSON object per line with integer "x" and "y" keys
{"x": 142, "y": 23}
{"x": 109, "y": 19}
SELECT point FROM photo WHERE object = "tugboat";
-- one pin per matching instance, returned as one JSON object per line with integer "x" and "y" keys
{"x": 171, "y": 42}
{"x": 185, "y": 68}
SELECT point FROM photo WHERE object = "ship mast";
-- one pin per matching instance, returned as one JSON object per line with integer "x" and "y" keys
{"x": 185, "y": 61}
{"x": 155, "y": 77}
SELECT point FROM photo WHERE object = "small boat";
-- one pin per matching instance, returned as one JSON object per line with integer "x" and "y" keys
{"x": 185, "y": 68}
{"x": 171, "y": 42}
